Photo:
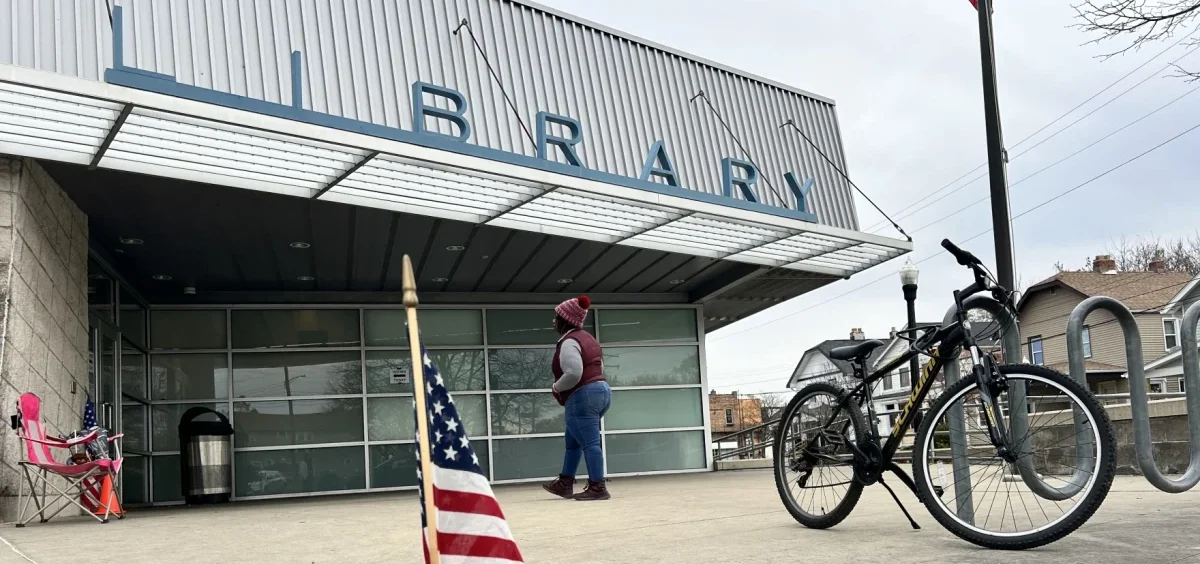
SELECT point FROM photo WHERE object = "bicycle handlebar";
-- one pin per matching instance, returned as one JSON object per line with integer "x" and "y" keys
{"x": 964, "y": 258}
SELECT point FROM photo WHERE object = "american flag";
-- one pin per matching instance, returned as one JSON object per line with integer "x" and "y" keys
{"x": 89, "y": 414}
{"x": 471, "y": 528}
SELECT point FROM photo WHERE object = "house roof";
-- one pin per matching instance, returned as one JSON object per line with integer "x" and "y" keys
{"x": 1183, "y": 293}
{"x": 885, "y": 351}
{"x": 1137, "y": 290}
{"x": 1088, "y": 365}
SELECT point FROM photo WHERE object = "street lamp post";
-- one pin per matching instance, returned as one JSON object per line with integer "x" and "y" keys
{"x": 908, "y": 281}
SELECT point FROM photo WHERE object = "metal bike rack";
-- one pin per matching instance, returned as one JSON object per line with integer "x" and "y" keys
{"x": 1138, "y": 401}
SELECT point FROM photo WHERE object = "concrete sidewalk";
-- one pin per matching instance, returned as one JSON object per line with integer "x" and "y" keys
{"x": 727, "y": 517}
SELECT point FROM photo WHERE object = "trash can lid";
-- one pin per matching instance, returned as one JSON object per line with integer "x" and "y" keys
{"x": 189, "y": 427}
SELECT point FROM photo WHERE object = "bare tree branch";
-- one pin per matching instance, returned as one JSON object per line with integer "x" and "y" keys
{"x": 1146, "y": 21}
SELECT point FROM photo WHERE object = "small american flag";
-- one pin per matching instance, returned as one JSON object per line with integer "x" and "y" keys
{"x": 471, "y": 528}
{"x": 89, "y": 414}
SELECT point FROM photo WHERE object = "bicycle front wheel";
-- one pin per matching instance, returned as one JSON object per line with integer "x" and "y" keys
{"x": 1060, "y": 470}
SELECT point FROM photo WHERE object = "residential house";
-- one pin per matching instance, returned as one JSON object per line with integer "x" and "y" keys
{"x": 1046, "y": 306}
{"x": 816, "y": 366}
{"x": 1166, "y": 373}
{"x": 892, "y": 392}
{"x": 730, "y": 414}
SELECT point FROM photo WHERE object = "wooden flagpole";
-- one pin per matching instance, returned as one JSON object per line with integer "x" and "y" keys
{"x": 418, "y": 379}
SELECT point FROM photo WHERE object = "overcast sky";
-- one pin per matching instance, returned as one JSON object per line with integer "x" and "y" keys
{"x": 907, "y": 82}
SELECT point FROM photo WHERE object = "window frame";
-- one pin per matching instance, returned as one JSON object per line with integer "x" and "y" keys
{"x": 729, "y": 417}
{"x": 904, "y": 371}
{"x": 1087, "y": 341}
{"x": 1172, "y": 334}
{"x": 1041, "y": 351}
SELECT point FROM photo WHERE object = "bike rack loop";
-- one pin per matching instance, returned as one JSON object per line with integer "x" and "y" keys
{"x": 1011, "y": 345}
{"x": 1138, "y": 401}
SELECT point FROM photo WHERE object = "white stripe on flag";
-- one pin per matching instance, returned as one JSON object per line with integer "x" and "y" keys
{"x": 460, "y": 481}
{"x": 473, "y": 524}
{"x": 450, "y": 559}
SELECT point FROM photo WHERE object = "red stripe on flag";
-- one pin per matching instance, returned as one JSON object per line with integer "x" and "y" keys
{"x": 974, "y": 3}
{"x": 478, "y": 547}
{"x": 463, "y": 502}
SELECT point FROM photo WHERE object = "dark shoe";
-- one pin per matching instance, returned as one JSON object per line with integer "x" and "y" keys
{"x": 595, "y": 491}
{"x": 562, "y": 486}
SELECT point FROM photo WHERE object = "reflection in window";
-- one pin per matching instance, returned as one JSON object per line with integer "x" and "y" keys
{"x": 439, "y": 327}
{"x": 652, "y": 366}
{"x": 100, "y": 291}
{"x": 298, "y": 422}
{"x": 166, "y": 471}
{"x": 523, "y": 414}
{"x": 306, "y": 470}
{"x": 649, "y": 452}
{"x": 654, "y": 409}
{"x": 133, "y": 425}
{"x": 285, "y": 374}
{"x": 391, "y": 371}
{"x": 391, "y": 418}
{"x": 521, "y": 369}
{"x": 278, "y": 328}
{"x": 633, "y": 325}
{"x": 514, "y": 459}
{"x": 133, "y": 372}
{"x": 527, "y": 326}
{"x": 189, "y": 376}
{"x": 394, "y": 466}
{"x": 132, "y": 319}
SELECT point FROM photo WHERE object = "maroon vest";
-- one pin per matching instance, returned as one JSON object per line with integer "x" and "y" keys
{"x": 593, "y": 362}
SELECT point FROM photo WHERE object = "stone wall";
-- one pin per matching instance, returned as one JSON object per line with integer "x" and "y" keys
{"x": 43, "y": 283}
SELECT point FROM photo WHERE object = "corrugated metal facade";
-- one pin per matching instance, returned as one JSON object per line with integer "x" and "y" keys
{"x": 360, "y": 58}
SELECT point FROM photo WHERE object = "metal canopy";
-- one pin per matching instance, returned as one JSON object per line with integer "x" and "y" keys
{"x": 49, "y": 116}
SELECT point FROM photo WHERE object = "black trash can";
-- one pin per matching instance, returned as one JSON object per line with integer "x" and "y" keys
{"x": 207, "y": 453}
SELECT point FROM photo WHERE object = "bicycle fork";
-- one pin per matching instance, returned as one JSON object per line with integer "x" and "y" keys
{"x": 991, "y": 384}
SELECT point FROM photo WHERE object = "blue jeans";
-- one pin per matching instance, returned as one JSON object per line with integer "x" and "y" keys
{"x": 584, "y": 409}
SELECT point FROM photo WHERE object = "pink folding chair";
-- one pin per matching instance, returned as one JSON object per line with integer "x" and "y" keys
{"x": 40, "y": 468}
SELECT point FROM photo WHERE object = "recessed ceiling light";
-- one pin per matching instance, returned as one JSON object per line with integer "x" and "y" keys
{"x": 119, "y": 251}
{"x": 131, "y": 241}
{"x": 162, "y": 277}
{"x": 485, "y": 257}
{"x": 441, "y": 279}
{"x": 305, "y": 278}
{"x": 678, "y": 281}
{"x": 299, "y": 245}
{"x": 565, "y": 280}
{"x": 455, "y": 248}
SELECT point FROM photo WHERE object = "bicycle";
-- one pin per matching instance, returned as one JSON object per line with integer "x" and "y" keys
{"x": 818, "y": 445}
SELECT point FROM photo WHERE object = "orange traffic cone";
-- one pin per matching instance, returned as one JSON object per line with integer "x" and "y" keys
{"x": 108, "y": 499}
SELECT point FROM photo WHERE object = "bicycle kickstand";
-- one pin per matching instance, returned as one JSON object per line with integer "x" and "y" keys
{"x": 911, "y": 521}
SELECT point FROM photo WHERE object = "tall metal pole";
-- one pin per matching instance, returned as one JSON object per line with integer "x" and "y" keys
{"x": 997, "y": 167}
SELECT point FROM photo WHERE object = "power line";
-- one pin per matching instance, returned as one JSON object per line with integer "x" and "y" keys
{"x": 1054, "y": 121}
{"x": 737, "y": 141}
{"x": 936, "y": 254}
{"x": 1055, "y": 163}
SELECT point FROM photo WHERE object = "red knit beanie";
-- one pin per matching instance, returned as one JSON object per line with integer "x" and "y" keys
{"x": 574, "y": 310}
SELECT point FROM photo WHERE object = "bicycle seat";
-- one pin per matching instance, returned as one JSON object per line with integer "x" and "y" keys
{"x": 859, "y": 351}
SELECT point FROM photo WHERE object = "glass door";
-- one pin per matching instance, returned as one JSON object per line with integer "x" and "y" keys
{"x": 106, "y": 369}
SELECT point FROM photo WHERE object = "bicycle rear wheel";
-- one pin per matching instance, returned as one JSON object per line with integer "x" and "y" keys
{"x": 1062, "y": 468}
{"x": 814, "y": 465}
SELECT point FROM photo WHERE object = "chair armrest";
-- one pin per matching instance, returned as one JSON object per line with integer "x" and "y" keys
{"x": 115, "y": 437}
{"x": 59, "y": 443}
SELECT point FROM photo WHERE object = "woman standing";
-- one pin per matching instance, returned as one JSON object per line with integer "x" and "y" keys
{"x": 579, "y": 386}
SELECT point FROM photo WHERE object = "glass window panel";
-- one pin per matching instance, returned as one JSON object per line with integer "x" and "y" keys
{"x": 167, "y": 478}
{"x": 297, "y": 422}
{"x": 654, "y": 409}
{"x": 275, "y": 472}
{"x": 526, "y": 326}
{"x": 133, "y": 425}
{"x": 100, "y": 289}
{"x": 285, "y": 374}
{"x": 394, "y": 466}
{"x": 651, "y": 452}
{"x": 294, "y": 328}
{"x": 133, "y": 372}
{"x": 187, "y": 330}
{"x": 165, "y": 422}
{"x": 133, "y": 318}
{"x": 652, "y": 366}
{"x": 391, "y": 418}
{"x": 461, "y": 370}
{"x": 523, "y": 414}
{"x": 133, "y": 472}
{"x": 520, "y": 369}
{"x": 189, "y": 376}
{"x": 278, "y": 328}
{"x": 439, "y": 327}
{"x": 635, "y": 325}
{"x": 542, "y": 457}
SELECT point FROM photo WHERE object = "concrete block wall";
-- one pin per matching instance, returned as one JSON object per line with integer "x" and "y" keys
{"x": 43, "y": 283}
